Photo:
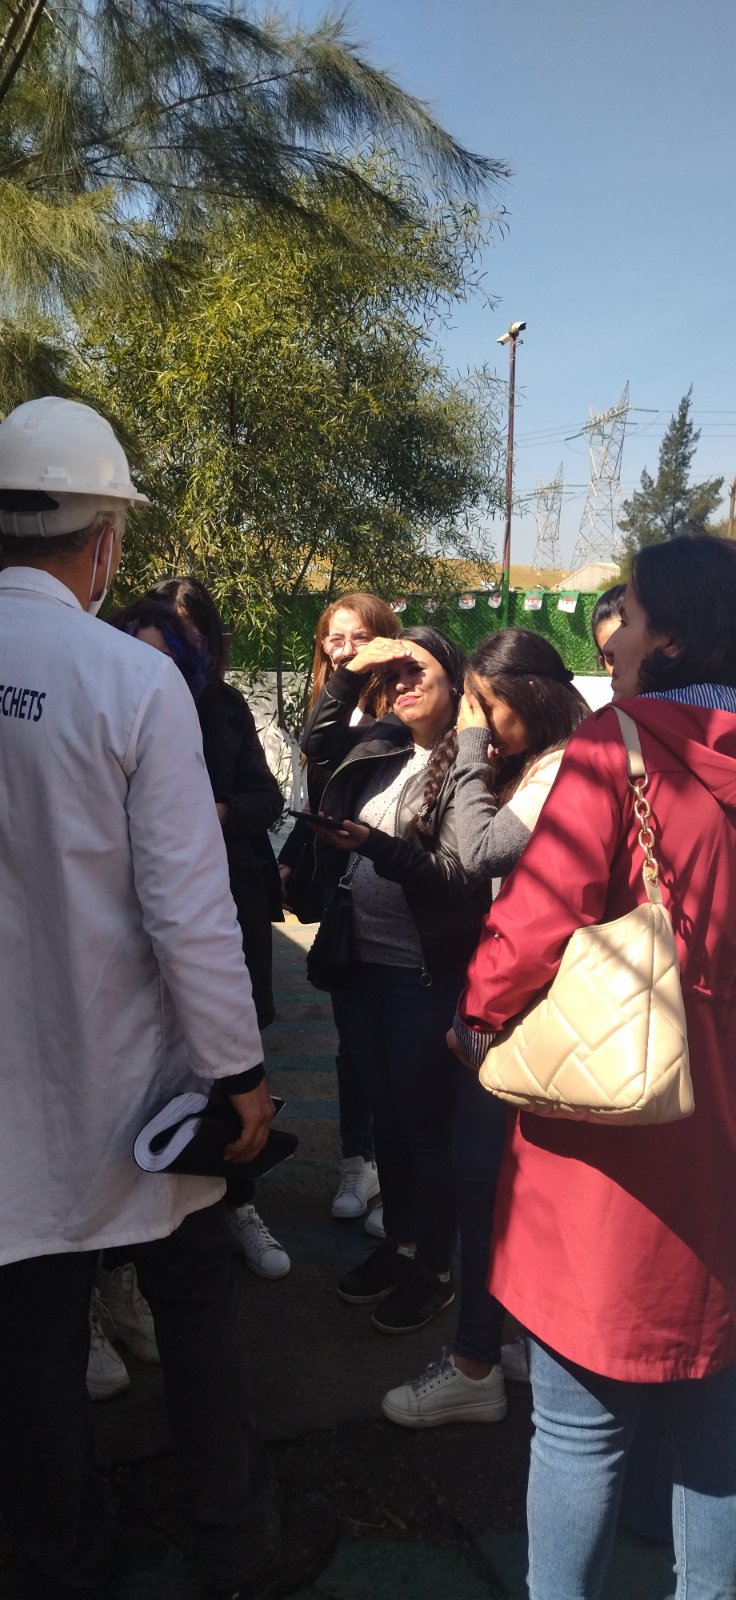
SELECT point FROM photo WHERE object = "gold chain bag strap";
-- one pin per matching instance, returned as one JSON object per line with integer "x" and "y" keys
{"x": 607, "y": 1041}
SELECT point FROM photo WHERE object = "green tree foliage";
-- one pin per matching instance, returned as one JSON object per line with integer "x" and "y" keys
{"x": 124, "y": 122}
{"x": 164, "y": 98}
{"x": 291, "y": 419}
{"x": 669, "y": 504}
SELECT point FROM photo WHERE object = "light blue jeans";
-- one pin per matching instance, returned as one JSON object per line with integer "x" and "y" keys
{"x": 584, "y": 1426}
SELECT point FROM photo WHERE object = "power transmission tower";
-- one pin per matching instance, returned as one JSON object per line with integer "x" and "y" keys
{"x": 598, "y": 538}
{"x": 549, "y": 510}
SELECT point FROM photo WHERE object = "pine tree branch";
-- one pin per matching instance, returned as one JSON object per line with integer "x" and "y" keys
{"x": 242, "y": 87}
{"x": 35, "y": 12}
{"x": 8, "y": 39}
{"x": 136, "y": 120}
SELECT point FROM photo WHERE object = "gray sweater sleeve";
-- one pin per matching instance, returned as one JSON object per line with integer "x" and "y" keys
{"x": 490, "y": 840}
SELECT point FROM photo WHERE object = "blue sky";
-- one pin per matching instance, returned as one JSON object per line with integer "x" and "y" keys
{"x": 618, "y": 121}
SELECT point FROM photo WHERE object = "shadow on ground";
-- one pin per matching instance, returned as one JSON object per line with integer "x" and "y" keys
{"x": 422, "y": 1515}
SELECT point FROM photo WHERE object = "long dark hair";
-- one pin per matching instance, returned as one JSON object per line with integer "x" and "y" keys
{"x": 687, "y": 587}
{"x": 194, "y": 599}
{"x": 452, "y": 661}
{"x": 524, "y": 670}
{"x": 188, "y": 650}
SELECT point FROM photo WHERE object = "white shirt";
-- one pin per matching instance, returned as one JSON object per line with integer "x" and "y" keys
{"x": 122, "y": 979}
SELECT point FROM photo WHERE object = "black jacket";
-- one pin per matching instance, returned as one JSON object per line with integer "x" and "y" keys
{"x": 241, "y": 780}
{"x": 298, "y": 850}
{"x": 327, "y": 734}
{"x": 447, "y": 905}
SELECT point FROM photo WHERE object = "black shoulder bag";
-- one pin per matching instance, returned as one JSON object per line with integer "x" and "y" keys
{"x": 330, "y": 958}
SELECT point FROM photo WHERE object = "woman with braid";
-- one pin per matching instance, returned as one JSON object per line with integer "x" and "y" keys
{"x": 416, "y": 919}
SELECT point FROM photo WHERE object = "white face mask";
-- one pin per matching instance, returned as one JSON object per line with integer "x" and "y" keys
{"x": 93, "y": 606}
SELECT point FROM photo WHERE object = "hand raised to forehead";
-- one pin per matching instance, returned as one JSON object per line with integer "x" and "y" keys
{"x": 471, "y": 713}
{"x": 379, "y": 653}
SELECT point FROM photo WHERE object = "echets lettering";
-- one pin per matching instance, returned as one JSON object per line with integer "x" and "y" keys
{"x": 24, "y": 703}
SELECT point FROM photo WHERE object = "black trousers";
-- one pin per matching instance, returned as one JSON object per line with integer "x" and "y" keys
{"x": 395, "y": 1032}
{"x": 51, "y": 1496}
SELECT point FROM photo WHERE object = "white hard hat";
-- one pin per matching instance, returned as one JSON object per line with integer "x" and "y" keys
{"x": 68, "y": 455}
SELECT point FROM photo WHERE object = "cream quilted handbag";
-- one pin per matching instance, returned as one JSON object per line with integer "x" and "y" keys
{"x": 607, "y": 1041}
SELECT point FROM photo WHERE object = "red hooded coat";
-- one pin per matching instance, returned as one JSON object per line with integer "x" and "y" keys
{"x": 617, "y": 1246}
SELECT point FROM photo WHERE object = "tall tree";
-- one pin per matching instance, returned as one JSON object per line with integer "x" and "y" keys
{"x": 291, "y": 419}
{"x": 670, "y": 504}
{"x": 122, "y": 122}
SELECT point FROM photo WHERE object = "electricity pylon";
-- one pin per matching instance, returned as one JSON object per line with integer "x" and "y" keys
{"x": 598, "y": 538}
{"x": 549, "y": 510}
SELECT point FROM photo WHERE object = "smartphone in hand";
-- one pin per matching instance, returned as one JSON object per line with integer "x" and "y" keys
{"x": 311, "y": 816}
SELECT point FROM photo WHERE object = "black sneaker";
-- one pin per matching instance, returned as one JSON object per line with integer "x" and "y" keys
{"x": 375, "y": 1277}
{"x": 414, "y": 1302}
{"x": 309, "y": 1533}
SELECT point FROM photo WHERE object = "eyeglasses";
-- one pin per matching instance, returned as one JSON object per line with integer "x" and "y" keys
{"x": 336, "y": 642}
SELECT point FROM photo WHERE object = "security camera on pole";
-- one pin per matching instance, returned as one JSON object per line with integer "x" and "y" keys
{"x": 511, "y": 338}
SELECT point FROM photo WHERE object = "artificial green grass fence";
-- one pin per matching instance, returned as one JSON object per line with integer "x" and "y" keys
{"x": 569, "y": 632}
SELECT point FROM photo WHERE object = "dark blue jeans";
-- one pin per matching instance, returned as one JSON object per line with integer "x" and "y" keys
{"x": 479, "y": 1134}
{"x": 395, "y": 1032}
{"x": 356, "y": 1119}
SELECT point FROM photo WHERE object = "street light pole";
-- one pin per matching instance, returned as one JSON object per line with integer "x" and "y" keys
{"x": 511, "y": 338}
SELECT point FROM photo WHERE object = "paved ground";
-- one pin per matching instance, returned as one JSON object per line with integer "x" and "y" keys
{"x": 423, "y": 1515}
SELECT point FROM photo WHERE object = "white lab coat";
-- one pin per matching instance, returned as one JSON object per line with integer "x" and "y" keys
{"x": 122, "y": 979}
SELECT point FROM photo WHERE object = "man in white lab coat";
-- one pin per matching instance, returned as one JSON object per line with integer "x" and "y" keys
{"x": 122, "y": 981}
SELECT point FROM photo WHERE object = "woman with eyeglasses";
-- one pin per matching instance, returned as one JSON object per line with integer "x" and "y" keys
{"x": 345, "y": 627}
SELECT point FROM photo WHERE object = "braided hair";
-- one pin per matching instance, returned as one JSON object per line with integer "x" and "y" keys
{"x": 452, "y": 661}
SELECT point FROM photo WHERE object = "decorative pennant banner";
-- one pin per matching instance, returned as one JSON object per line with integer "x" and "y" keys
{"x": 398, "y": 605}
{"x": 494, "y": 599}
{"x": 568, "y": 602}
{"x": 533, "y": 600}
{"x": 466, "y": 602}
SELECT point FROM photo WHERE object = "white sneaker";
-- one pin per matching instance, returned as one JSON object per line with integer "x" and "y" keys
{"x": 125, "y": 1314}
{"x": 444, "y": 1394}
{"x": 514, "y": 1361}
{"x": 358, "y": 1184}
{"x": 262, "y": 1253}
{"x": 374, "y": 1223}
{"x": 107, "y": 1374}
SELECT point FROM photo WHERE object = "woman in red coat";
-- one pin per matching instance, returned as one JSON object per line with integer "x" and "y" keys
{"x": 616, "y": 1247}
